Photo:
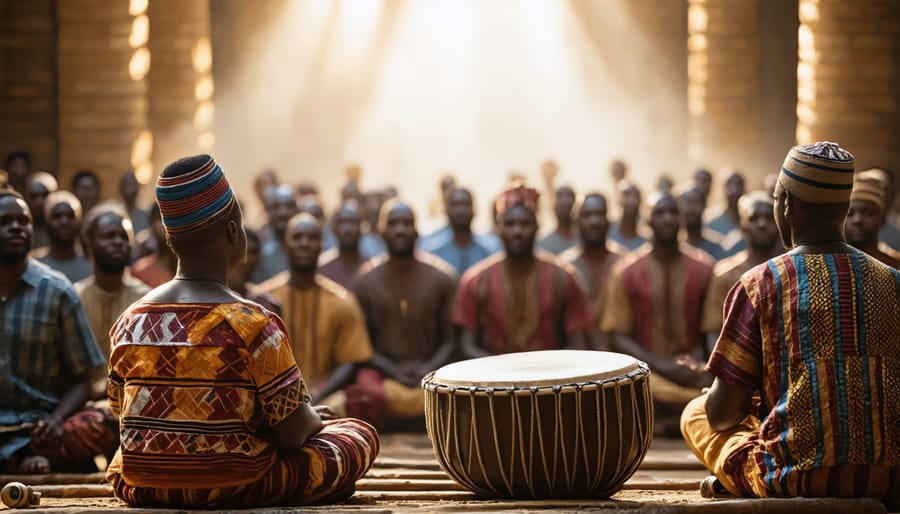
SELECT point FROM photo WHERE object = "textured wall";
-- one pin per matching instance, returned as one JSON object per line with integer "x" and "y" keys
{"x": 28, "y": 107}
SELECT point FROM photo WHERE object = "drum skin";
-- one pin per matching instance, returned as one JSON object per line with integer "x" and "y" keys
{"x": 570, "y": 440}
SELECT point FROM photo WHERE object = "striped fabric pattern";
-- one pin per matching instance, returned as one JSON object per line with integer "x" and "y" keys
{"x": 868, "y": 187}
{"x": 818, "y": 173}
{"x": 191, "y": 384}
{"x": 325, "y": 470}
{"x": 192, "y": 200}
{"x": 819, "y": 337}
{"x": 195, "y": 387}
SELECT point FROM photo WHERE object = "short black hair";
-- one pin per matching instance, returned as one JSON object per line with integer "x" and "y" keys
{"x": 18, "y": 154}
{"x": 89, "y": 223}
{"x": 85, "y": 173}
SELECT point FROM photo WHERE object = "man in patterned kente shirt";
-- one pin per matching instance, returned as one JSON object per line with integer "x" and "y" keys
{"x": 212, "y": 406}
{"x": 808, "y": 361}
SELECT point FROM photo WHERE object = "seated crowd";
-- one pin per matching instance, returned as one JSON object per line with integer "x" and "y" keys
{"x": 169, "y": 340}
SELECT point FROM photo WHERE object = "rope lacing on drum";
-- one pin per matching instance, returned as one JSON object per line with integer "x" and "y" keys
{"x": 536, "y": 415}
{"x": 506, "y": 480}
{"x": 516, "y": 413}
{"x": 473, "y": 431}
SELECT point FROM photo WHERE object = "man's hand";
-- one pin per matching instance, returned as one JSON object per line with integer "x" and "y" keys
{"x": 685, "y": 376}
{"x": 48, "y": 429}
{"x": 325, "y": 412}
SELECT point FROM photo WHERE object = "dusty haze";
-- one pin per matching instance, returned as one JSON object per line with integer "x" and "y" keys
{"x": 412, "y": 89}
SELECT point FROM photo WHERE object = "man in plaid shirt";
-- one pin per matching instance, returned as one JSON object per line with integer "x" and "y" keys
{"x": 47, "y": 357}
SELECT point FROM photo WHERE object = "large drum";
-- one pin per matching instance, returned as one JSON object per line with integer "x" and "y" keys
{"x": 544, "y": 424}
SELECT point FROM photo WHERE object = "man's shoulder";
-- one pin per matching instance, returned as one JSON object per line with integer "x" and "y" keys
{"x": 437, "y": 239}
{"x": 571, "y": 256}
{"x": 328, "y": 257}
{"x": 696, "y": 256}
{"x": 333, "y": 290}
{"x": 436, "y": 266}
{"x": 729, "y": 265}
{"x": 37, "y": 272}
{"x": 132, "y": 284}
{"x": 633, "y": 260}
{"x": 85, "y": 284}
{"x": 483, "y": 266}
{"x": 275, "y": 283}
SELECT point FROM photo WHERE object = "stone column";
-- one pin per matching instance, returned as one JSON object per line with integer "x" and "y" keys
{"x": 28, "y": 107}
{"x": 723, "y": 82}
{"x": 180, "y": 80}
{"x": 848, "y": 83}
{"x": 103, "y": 63}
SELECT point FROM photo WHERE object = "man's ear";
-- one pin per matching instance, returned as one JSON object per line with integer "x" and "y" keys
{"x": 233, "y": 229}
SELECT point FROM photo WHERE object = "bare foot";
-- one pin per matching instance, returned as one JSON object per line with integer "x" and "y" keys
{"x": 34, "y": 464}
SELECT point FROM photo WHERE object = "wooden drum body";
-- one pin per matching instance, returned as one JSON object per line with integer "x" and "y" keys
{"x": 545, "y": 424}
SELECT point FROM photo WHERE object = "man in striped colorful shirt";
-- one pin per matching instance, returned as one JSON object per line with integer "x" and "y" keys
{"x": 808, "y": 362}
{"x": 214, "y": 410}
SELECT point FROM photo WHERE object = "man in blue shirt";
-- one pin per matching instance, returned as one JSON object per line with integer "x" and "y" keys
{"x": 459, "y": 246}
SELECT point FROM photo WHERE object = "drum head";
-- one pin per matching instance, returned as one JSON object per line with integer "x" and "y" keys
{"x": 539, "y": 368}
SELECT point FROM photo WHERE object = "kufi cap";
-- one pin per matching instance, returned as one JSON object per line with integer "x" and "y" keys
{"x": 818, "y": 173}
{"x": 748, "y": 201}
{"x": 514, "y": 196}
{"x": 870, "y": 187}
{"x": 192, "y": 193}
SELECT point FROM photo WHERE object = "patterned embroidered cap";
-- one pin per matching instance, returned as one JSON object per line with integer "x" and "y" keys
{"x": 519, "y": 195}
{"x": 818, "y": 173}
{"x": 192, "y": 193}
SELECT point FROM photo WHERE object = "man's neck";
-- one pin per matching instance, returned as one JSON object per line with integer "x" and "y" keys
{"x": 520, "y": 265}
{"x": 303, "y": 280}
{"x": 595, "y": 252}
{"x": 565, "y": 229}
{"x": 401, "y": 263}
{"x": 10, "y": 273}
{"x": 349, "y": 254}
{"x": 819, "y": 240}
{"x": 62, "y": 252}
{"x": 109, "y": 282}
{"x": 628, "y": 226}
{"x": 694, "y": 235}
{"x": 732, "y": 213}
{"x": 166, "y": 255}
{"x": 666, "y": 251}
{"x": 462, "y": 236}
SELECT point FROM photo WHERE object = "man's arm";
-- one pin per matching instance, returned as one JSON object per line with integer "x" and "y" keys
{"x": 342, "y": 375}
{"x": 390, "y": 369}
{"x": 727, "y": 405}
{"x": 468, "y": 345}
{"x": 665, "y": 366}
{"x": 440, "y": 357}
{"x": 446, "y": 332}
{"x": 51, "y": 427}
{"x": 293, "y": 431}
{"x": 580, "y": 341}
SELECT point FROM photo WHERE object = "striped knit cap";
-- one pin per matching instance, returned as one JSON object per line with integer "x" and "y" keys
{"x": 869, "y": 186}
{"x": 192, "y": 193}
{"x": 818, "y": 173}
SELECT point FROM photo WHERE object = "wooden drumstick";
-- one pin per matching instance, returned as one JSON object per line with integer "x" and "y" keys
{"x": 17, "y": 495}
